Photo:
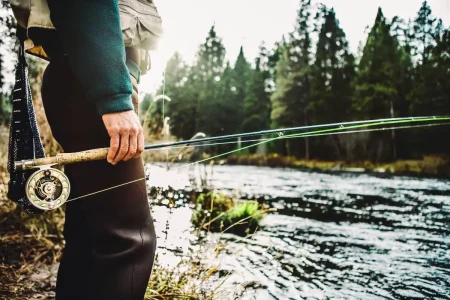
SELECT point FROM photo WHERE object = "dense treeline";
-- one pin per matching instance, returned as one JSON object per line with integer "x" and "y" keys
{"x": 311, "y": 77}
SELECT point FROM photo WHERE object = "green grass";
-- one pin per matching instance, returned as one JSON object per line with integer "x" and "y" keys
{"x": 222, "y": 213}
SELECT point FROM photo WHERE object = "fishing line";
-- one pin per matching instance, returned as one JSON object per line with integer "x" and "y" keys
{"x": 340, "y": 128}
{"x": 291, "y": 129}
{"x": 322, "y": 132}
{"x": 311, "y": 135}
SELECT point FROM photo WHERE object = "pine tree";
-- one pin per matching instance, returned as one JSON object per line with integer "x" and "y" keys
{"x": 424, "y": 33}
{"x": 207, "y": 74}
{"x": 240, "y": 76}
{"x": 377, "y": 84}
{"x": 257, "y": 100}
{"x": 423, "y": 37}
{"x": 228, "y": 104}
{"x": 291, "y": 100}
{"x": 430, "y": 88}
{"x": 332, "y": 75}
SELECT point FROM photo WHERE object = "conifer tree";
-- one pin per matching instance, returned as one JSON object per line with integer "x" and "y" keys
{"x": 291, "y": 100}
{"x": 430, "y": 89}
{"x": 332, "y": 75}
{"x": 207, "y": 74}
{"x": 424, "y": 33}
{"x": 377, "y": 83}
{"x": 228, "y": 104}
{"x": 257, "y": 100}
{"x": 240, "y": 76}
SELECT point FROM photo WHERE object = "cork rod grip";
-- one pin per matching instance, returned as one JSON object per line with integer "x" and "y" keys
{"x": 63, "y": 159}
{"x": 88, "y": 155}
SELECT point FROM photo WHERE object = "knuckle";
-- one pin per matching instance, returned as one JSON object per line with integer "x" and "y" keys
{"x": 134, "y": 130}
{"x": 123, "y": 129}
{"x": 114, "y": 129}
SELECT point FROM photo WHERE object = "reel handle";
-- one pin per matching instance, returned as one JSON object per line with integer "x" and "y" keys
{"x": 62, "y": 159}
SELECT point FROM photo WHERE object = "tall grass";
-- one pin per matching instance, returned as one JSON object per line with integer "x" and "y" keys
{"x": 218, "y": 212}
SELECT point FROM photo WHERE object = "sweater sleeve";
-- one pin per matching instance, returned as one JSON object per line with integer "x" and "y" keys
{"x": 91, "y": 35}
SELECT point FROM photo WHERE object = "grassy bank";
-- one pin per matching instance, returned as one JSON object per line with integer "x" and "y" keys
{"x": 31, "y": 248}
{"x": 433, "y": 166}
{"x": 217, "y": 212}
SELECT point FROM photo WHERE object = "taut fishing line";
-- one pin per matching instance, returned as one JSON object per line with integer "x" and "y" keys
{"x": 312, "y": 135}
{"x": 287, "y": 130}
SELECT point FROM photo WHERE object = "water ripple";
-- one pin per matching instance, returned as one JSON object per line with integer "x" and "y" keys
{"x": 344, "y": 236}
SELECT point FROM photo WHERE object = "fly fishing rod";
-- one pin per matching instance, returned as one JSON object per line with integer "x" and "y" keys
{"x": 49, "y": 188}
{"x": 101, "y": 153}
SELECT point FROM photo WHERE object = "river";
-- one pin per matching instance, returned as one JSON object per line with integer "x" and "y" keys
{"x": 333, "y": 236}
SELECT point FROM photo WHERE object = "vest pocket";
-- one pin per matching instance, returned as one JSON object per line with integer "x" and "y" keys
{"x": 141, "y": 24}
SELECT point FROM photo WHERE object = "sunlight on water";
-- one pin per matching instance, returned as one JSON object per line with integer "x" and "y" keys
{"x": 351, "y": 236}
{"x": 175, "y": 242}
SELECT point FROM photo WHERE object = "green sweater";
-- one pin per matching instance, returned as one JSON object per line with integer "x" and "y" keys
{"x": 92, "y": 38}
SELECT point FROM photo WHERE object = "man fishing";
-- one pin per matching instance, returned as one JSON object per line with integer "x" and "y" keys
{"x": 93, "y": 47}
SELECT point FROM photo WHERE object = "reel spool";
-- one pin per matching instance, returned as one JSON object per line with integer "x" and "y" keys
{"x": 47, "y": 188}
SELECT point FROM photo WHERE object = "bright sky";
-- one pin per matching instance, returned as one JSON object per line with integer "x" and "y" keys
{"x": 248, "y": 22}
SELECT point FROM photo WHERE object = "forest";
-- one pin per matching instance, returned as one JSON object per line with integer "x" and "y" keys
{"x": 311, "y": 77}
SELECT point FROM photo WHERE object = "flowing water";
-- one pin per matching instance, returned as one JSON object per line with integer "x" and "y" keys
{"x": 334, "y": 236}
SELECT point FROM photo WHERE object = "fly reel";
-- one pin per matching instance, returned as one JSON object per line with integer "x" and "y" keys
{"x": 47, "y": 188}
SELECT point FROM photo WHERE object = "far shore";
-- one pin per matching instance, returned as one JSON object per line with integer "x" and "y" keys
{"x": 435, "y": 166}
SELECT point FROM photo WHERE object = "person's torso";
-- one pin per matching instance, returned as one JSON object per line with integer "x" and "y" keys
{"x": 139, "y": 19}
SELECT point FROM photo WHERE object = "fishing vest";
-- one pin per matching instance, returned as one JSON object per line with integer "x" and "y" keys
{"x": 139, "y": 20}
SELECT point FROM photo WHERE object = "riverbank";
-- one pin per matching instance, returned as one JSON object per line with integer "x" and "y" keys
{"x": 429, "y": 166}
{"x": 31, "y": 248}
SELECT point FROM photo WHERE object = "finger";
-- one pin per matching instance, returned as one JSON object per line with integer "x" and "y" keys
{"x": 123, "y": 149}
{"x": 114, "y": 145}
{"x": 140, "y": 144}
{"x": 132, "y": 147}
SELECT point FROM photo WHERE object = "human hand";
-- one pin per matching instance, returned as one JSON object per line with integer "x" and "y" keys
{"x": 127, "y": 138}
